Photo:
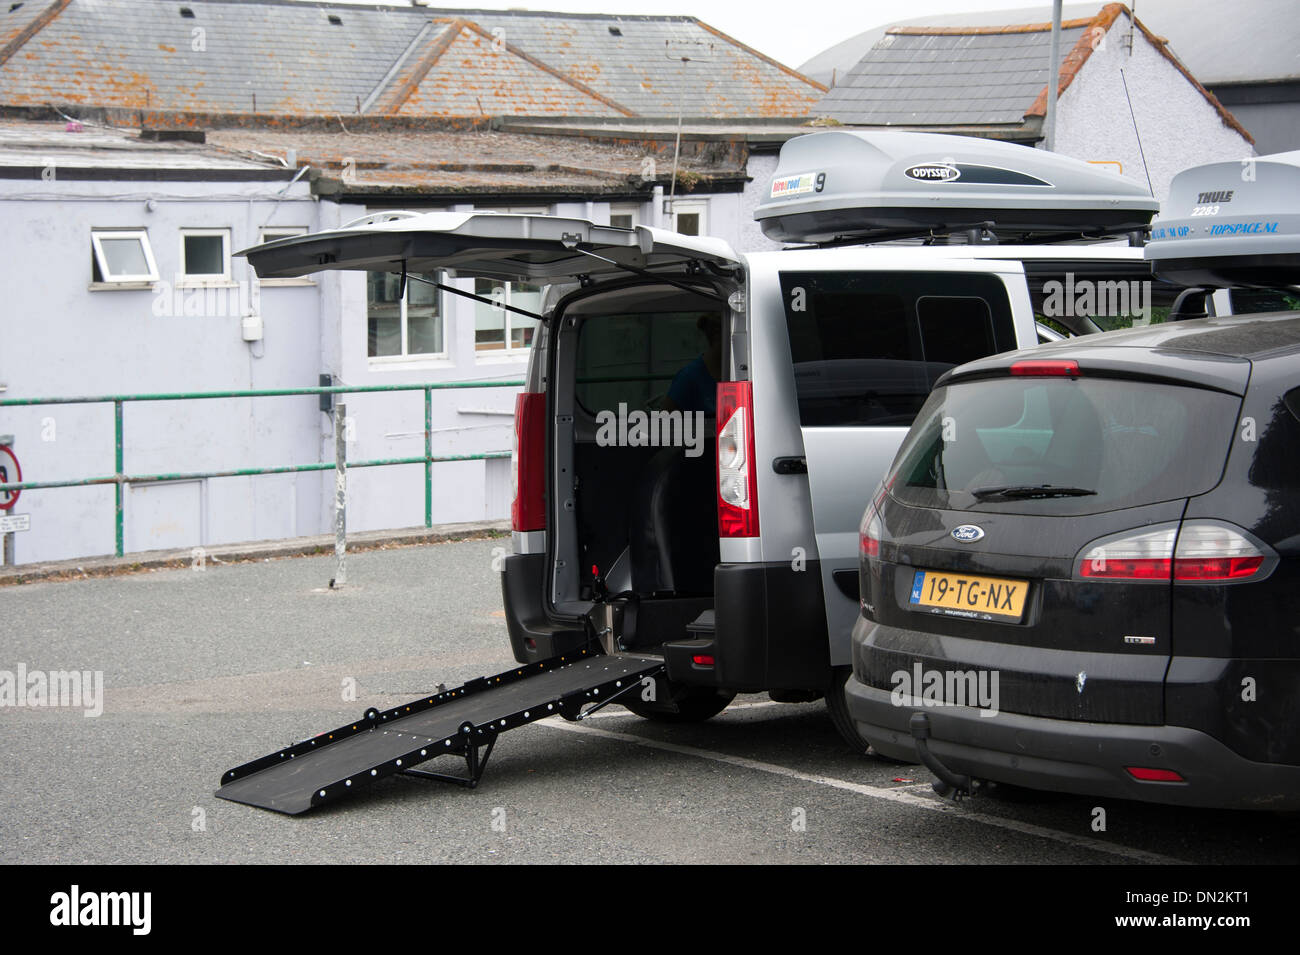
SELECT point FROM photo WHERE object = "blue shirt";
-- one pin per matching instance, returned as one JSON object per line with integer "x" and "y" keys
{"x": 693, "y": 388}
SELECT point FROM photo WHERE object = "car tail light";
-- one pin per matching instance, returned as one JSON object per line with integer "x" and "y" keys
{"x": 869, "y": 531}
{"x": 1133, "y": 555}
{"x": 1198, "y": 551}
{"x": 1212, "y": 551}
{"x": 702, "y": 660}
{"x": 1046, "y": 368}
{"x": 737, "y": 474}
{"x": 1150, "y": 774}
{"x": 528, "y": 463}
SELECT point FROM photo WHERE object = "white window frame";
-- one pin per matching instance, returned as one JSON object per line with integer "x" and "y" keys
{"x": 689, "y": 207}
{"x": 407, "y": 357}
{"x": 508, "y": 351}
{"x": 285, "y": 232}
{"x": 204, "y": 279}
{"x": 632, "y": 209}
{"x": 106, "y": 278}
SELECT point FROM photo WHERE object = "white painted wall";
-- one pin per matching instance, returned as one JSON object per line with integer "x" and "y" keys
{"x": 1178, "y": 126}
{"x": 58, "y": 338}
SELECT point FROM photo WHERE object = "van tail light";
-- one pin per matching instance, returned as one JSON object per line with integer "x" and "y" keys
{"x": 528, "y": 463}
{"x": 737, "y": 473}
{"x": 1198, "y": 551}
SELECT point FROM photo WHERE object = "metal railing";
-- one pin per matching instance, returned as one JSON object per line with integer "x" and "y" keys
{"x": 121, "y": 479}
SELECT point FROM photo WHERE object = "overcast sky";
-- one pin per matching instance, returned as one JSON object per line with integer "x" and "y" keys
{"x": 791, "y": 31}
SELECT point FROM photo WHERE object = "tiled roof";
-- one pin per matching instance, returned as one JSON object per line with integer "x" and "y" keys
{"x": 271, "y": 56}
{"x": 946, "y": 76}
{"x": 985, "y": 75}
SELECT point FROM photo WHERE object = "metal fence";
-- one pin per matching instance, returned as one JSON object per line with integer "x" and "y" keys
{"x": 121, "y": 479}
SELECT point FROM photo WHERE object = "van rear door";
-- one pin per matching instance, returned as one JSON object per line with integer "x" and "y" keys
{"x": 867, "y": 348}
{"x": 542, "y": 249}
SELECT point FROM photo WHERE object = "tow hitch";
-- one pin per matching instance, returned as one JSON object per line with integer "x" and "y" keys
{"x": 950, "y": 785}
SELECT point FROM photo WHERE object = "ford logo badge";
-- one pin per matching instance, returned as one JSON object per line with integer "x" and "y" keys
{"x": 967, "y": 533}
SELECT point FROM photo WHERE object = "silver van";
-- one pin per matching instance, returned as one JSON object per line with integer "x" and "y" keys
{"x": 700, "y": 428}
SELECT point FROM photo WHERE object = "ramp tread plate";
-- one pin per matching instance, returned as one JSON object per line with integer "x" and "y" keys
{"x": 308, "y": 774}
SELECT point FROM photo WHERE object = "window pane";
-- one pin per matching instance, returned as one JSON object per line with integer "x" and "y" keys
{"x": 1132, "y": 442}
{"x": 489, "y": 322}
{"x": 124, "y": 257}
{"x": 635, "y": 359}
{"x": 688, "y": 223}
{"x": 621, "y": 221}
{"x": 383, "y": 314}
{"x": 868, "y": 347}
{"x": 527, "y": 296}
{"x": 204, "y": 255}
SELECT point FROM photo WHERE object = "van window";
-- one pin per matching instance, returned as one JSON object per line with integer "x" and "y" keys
{"x": 632, "y": 359}
{"x": 867, "y": 347}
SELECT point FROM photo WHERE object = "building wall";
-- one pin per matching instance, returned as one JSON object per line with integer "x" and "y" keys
{"x": 761, "y": 169}
{"x": 1178, "y": 126}
{"x": 59, "y": 338}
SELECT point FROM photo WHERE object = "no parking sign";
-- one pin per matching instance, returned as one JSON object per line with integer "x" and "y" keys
{"x": 10, "y": 473}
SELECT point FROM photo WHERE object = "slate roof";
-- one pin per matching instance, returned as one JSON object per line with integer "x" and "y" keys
{"x": 932, "y": 79}
{"x": 276, "y": 57}
{"x": 922, "y": 76}
{"x": 1250, "y": 41}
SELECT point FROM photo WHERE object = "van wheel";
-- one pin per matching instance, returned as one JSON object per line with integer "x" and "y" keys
{"x": 695, "y": 704}
{"x": 837, "y": 704}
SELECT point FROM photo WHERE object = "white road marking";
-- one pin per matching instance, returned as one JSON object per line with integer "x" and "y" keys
{"x": 903, "y": 796}
{"x": 620, "y": 711}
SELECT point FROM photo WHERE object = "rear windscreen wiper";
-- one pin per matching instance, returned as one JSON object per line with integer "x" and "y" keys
{"x": 1029, "y": 491}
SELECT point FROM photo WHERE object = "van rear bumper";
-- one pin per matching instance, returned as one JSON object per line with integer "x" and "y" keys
{"x": 1076, "y": 757}
{"x": 769, "y": 630}
{"x": 533, "y": 635}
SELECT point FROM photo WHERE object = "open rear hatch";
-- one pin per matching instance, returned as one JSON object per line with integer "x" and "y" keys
{"x": 533, "y": 247}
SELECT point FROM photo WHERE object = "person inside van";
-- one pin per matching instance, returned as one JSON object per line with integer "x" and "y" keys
{"x": 695, "y": 387}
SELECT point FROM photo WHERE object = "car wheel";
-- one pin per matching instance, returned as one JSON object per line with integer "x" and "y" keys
{"x": 695, "y": 704}
{"x": 837, "y": 704}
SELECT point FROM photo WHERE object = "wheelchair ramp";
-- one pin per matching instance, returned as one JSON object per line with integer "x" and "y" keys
{"x": 463, "y": 722}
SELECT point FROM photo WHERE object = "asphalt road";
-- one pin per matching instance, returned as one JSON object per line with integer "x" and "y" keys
{"x": 207, "y": 669}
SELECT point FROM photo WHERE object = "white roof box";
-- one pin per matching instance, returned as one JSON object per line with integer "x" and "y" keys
{"x": 881, "y": 184}
{"x": 1231, "y": 224}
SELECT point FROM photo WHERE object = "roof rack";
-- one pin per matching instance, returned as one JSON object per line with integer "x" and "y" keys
{"x": 1231, "y": 224}
{"x": 845, "y": 186}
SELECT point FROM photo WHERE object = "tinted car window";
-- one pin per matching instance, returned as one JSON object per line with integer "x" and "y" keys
{"x": 868, "y": 347}
{"x": 1131, "y": 442}
{"x": 633, "y": 359}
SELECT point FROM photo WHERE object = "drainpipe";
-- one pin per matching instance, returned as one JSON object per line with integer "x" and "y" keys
{"x": 1053, "y": 79}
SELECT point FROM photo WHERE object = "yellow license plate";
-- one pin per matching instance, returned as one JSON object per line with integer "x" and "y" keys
{"x": 966, "y": 595}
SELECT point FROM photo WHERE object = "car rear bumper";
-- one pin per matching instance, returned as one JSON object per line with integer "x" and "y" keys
{"x": 1076, "y": 757}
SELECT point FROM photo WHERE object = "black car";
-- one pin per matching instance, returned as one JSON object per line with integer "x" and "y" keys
{"x": 1082, "y": 571}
